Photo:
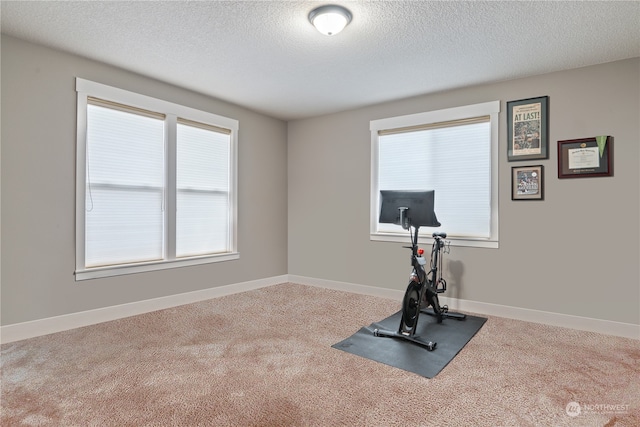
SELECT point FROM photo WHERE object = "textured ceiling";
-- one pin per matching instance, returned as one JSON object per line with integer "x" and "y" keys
{"x": 266, "y": 56}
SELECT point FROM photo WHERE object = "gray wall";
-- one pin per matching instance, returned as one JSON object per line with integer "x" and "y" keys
{"x": 38, "y": 190}
{"x": 304, "y": 197}
{"x": 575, "y": 253}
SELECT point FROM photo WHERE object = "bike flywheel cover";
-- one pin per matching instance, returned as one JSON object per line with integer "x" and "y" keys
{"x": 411, "y": 305}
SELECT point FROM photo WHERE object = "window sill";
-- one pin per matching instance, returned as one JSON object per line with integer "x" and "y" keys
{"x": 119, "y": 270}
{"x": 423, "y": 239}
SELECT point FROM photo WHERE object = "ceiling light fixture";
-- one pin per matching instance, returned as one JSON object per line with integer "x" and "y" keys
{"x": 330, "y": 19}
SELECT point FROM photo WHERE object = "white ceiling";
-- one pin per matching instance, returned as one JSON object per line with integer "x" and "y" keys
{"x": 265, "y": 55}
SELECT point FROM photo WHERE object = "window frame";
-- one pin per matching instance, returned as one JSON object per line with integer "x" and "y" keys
{"x": 172, "y": 111}
{"x": 491, "y": 109}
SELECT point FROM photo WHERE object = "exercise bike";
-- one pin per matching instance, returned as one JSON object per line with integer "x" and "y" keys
{"x": 424, "y": 286}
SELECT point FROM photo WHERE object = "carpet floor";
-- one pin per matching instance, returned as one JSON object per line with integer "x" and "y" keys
{"x": 264, "y": 358}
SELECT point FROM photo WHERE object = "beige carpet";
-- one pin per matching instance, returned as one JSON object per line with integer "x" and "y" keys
{"x": 264, "y": 358}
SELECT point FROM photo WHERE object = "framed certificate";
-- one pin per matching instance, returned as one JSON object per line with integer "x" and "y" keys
{"x": 586, "y": 157}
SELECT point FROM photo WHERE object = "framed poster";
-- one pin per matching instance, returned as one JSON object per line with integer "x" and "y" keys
{"x": 527, "y": 183}
{"x": 528, "y": 129}
{"x": 586, "y": 157}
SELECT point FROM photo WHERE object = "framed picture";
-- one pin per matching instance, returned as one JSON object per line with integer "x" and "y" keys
{"x": 586, "y": 157}
{"x": 527, "y": 183}
{"x": 528, "y": 129}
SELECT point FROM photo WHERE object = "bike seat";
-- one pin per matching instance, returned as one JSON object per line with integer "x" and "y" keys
{"x": 441, "y": 234}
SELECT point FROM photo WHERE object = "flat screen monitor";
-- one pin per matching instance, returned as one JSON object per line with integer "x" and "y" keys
{"x": 419, "y": 204}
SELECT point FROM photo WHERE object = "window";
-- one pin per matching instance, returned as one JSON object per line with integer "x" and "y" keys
{"x": 453, "y": 152}
{"x": 156, "y": 184}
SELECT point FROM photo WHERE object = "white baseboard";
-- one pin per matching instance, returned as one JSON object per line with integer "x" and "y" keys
{"x": 619, "y": 329}
{"x": 20, "y": 331}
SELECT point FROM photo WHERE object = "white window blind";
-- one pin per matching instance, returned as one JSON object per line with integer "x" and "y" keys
{"x": 156, "y": 184}
{"x": 453, "y": 160}
{"x": 451, "y": 151}
{"x": 202, "y": 182}
{"x": 124, "y": 185}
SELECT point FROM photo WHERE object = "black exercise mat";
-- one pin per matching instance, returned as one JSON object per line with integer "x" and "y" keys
{"x": 451, "y": 336}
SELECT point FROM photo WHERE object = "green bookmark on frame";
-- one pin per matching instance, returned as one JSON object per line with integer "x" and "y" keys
{"x": 602, "y": 142}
